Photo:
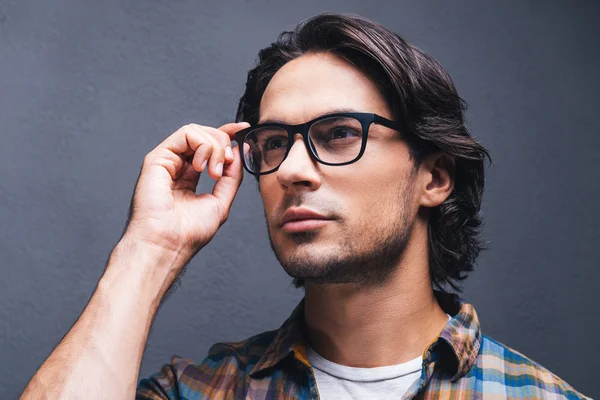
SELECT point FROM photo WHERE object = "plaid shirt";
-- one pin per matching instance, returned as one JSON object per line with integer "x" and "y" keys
{"x": 461, "y": 363}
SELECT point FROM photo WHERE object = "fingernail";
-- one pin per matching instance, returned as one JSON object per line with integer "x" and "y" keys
{"x": 219, "y": 169}
{"x": 228, "y": 152}
{"x": 203, "y": 165}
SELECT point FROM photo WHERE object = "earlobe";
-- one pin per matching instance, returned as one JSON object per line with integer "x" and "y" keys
{"x": 440, "y": 169}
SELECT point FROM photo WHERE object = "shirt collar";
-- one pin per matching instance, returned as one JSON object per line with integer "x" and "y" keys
{"x": 455, "y": 349}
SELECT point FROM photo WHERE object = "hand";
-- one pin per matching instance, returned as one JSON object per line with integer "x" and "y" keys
{"x": 165, "y": 211}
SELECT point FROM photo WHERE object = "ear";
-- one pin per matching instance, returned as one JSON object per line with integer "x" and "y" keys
{"x": 437, "y": 172}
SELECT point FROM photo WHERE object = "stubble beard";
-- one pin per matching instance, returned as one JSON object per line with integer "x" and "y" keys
{"x": 366, "y": 257}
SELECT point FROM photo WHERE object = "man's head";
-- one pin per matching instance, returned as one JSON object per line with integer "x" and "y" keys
{"x": 428, "y": 174}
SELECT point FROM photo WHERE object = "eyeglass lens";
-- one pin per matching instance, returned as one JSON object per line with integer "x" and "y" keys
{"x": 335, "y": 140}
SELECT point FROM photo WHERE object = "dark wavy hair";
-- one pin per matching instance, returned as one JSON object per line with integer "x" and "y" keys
{"x": 422, "y": 97}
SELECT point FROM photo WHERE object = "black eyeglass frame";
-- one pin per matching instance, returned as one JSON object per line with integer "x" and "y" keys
{"x": 366, "y": 119}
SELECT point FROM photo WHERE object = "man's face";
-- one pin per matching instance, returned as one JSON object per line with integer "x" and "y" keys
{"x": 370, "y": 204}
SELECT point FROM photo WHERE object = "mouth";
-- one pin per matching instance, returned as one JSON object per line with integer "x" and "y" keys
{"x": 301, "y": 225}
{"x": 302, "y": 219}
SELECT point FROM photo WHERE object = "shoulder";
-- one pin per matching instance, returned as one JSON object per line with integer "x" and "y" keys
{"x": 223, "y": 370}
{"x": 508, "y": 371}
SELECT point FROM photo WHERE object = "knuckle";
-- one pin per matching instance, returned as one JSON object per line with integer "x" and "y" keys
{"x": 219, "y": 136}
{"x": 224, "y": 216}
{"x": 192, "y": 129}
{"x": 148, "y": 158}
{"x": 224, "y": 137}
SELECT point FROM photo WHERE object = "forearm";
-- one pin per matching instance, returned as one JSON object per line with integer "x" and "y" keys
{"x": 101, "y": 355}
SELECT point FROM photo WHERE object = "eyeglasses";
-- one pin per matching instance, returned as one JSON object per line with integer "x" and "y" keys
{"x": 331, "y": 139}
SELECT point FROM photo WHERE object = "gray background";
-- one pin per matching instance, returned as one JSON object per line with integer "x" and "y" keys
{"x": 88, "y": 88}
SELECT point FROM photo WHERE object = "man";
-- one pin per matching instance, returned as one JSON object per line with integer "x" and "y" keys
{"x": 371, "y": 187}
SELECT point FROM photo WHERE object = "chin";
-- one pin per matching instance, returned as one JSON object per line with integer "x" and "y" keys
{"x": 302, "y": 248}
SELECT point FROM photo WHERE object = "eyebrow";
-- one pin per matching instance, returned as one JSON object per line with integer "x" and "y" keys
{"x": 332, "y": 111}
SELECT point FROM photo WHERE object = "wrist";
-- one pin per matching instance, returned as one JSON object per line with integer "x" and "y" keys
{"x": 145, "y": 268}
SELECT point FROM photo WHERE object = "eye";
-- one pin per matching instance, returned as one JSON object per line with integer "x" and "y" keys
{"x": 275, "y": 143}
{"x": 342, "y": 132}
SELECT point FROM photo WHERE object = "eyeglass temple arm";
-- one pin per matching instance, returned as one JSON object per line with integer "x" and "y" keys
{"x": 387, "y": 123}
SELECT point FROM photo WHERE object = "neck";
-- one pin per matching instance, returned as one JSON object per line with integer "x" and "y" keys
{"x": 372, "y": 327}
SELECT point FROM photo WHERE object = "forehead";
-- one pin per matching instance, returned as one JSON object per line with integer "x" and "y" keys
{"x": 317, "y": 84}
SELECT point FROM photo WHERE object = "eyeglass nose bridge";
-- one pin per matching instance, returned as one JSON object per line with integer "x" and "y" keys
{"x": 302, "y": 130}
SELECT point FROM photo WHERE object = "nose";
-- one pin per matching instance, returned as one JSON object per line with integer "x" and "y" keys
{"x": 298, "y": 172}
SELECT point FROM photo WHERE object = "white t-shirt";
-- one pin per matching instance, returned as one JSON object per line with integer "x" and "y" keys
{"x": 335, "y": 381}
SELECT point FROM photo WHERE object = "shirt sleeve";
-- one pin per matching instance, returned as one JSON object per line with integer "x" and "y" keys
{"x": 163, "y": 385}
{"x": 220, "y": 375}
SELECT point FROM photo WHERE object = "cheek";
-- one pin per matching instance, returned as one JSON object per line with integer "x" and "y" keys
{"x": 361, "y": 195}
{"x": 374, "y": 188}
{"x": 269, "y": 193}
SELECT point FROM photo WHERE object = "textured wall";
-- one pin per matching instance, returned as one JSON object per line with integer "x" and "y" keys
{"x": 88, "y": 88}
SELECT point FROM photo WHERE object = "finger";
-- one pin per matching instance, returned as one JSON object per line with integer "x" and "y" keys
{"x": 216, "y": 159}
{"x": 202, "y": 155}
{"x": 226, "y": 188}
{"x": 233, "y": 127}
{"x": 188, "y": 178}
{"x": 221, "y": 137}
{"x": 222, "y": 152}
{"x": 175, "y": 150}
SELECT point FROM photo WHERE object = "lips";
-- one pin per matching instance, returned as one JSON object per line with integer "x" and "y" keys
{"x": 301, "y": 214}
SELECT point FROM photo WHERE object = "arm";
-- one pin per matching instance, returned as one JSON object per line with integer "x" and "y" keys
{"x": 101, "y": 355}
